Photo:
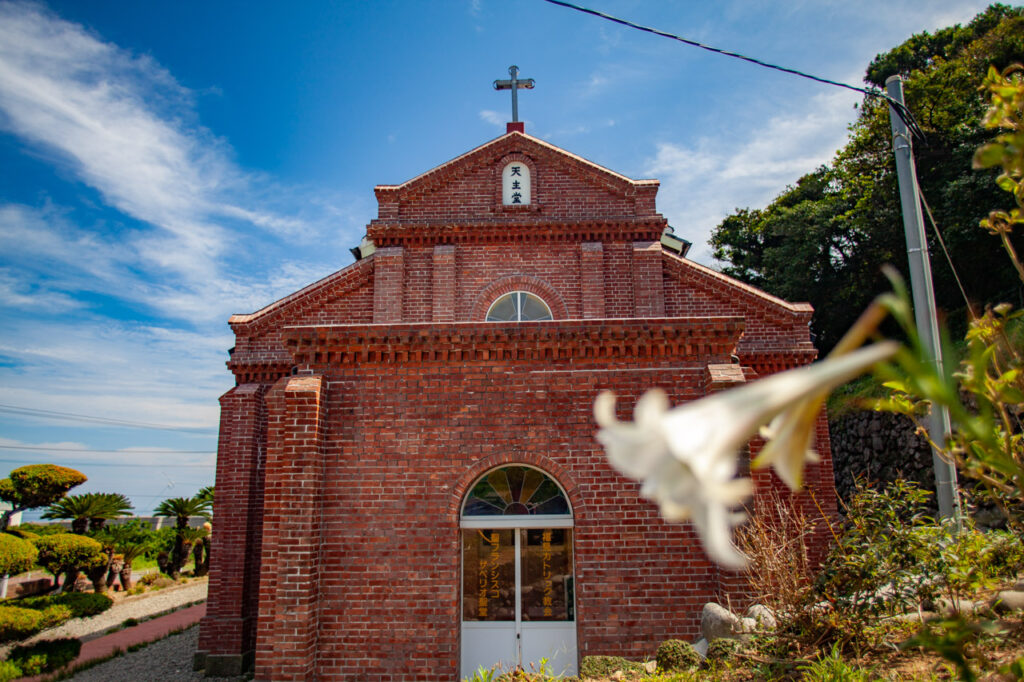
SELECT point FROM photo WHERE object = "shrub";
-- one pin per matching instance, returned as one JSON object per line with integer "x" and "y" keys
{"x": 54, "y": 615}
{"x": 44, "y": 657}
{"x": 723, "y": 649}
{"x": 675, "y": 654}
{"x": 606, "y": 666}
{"x": 70, "y": 554}
{"x": 16, "y": 555}
{"x": 149, "y": 578}
{"x": 81, "y": 604}
{"x": 17, "y": 623}
{"x": 9, "y": 671}
{"x": 38, "y": 529}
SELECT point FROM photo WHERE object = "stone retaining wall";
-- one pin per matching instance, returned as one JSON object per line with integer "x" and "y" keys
{"x": 880, "y": 447}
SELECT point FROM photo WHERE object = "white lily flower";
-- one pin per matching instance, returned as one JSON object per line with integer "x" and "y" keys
{"x": 686, "y": 457}
{"x": 791, "y": 433}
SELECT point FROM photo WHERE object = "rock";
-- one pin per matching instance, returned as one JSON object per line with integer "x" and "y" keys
{"x": 618, "y": 675}
{"x": 717, "y": 621}
{"x": 763, "y": 616}
{"x": 917, "y": 616}
{"x": 965, "y": 606}
{"x": 701, "y": 647}
{"x": 1008, "y": 600}
{"x": 1019, "y": 585}
{"x": 748, "y": 625}
{"x": 651, "y": 667}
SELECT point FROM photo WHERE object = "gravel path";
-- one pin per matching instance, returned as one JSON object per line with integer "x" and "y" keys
{"x": 168, "y": 660}
{"x": 137, "y": 606}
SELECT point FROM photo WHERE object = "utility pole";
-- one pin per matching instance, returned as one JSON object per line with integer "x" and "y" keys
{"x": 924, "y": 297}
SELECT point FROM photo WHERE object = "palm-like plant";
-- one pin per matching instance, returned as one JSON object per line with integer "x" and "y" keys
{"x": 89, "y": 510}
{"x": 181, "y": 509}
{"x": 131, "y": 541}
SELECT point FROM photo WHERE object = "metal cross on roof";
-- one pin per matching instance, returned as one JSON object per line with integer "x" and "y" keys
{"x": 514, "y": 84}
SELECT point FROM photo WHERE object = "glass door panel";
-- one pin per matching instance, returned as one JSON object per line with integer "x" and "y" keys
{"x": 547, "y": 583}
{"x": 488, "y": 574}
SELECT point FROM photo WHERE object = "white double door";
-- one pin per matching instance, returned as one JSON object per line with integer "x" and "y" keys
{"x": 518, "y": 596}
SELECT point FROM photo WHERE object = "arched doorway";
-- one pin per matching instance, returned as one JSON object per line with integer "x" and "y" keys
{"x": 518, "y": 586}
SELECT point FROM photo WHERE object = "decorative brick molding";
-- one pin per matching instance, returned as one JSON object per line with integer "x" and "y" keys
{"x": 505, "y": 285}
{"x": 577, "y": 340}
{"x": 516, "y": 229}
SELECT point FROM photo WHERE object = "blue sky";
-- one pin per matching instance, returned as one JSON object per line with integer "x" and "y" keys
{"x": 164, "y": 165}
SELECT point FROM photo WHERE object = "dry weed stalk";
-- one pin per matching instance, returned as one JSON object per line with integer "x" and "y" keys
{"x": 775, "y": 540}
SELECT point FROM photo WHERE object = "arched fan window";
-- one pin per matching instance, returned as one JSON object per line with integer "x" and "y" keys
{"x": 518, "y": 306}
{"x": 515, "y": 490}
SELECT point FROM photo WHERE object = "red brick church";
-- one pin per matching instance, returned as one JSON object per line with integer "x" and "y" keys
{"x": 408, "y": 485}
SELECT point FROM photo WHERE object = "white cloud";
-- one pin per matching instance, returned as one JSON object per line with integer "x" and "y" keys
{"x": 492, "y": 117}
{"x": 123, "y": 125}
{"x": 704, "y": 182}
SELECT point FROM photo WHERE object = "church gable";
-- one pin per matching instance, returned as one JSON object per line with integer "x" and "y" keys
{"x": 345, "y": 296}
{"x": 774, "y": 326}
{"x": 515, "y": 177}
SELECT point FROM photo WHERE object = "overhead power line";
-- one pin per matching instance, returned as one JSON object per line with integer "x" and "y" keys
{"x": 72, "y": 416}
{"x": 43, "y": 448}
{"x": 901, "y": 110}
{"x": 131, "y": 465}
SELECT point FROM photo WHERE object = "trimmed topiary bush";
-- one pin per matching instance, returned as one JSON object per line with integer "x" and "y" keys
{"x": 44, "y": 657}
{"x": 69, "y": 554}
{"x": 16, "y": 555}
{"x": 675, "y": 654}
{"x": 596, "y": 667}
{"x": 17, "y": 623}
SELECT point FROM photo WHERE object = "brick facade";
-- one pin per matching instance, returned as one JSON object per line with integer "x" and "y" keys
{"x": 368, "y": 403}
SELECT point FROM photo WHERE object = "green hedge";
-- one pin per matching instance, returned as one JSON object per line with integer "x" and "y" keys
{"x": 44, "y": 657}
{"x": 17, "y": 623}
{"x": 82, "y": 604}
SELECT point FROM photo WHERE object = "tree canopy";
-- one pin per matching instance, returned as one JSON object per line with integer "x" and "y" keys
{"x": 36, "y": 485}
{"x": 824, "y": 239}
{"x": 90, "y": 510}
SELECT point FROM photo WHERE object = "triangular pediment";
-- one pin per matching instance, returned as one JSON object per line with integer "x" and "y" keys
{"x": 564, "y": 187}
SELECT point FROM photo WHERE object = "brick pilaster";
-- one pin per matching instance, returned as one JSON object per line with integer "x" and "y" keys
{"x": 388, "y": 275}
{"x": 648, "y": 281}
{"x": 592, "y": 279}
{"x": 287, "y": 631}
{"x": 227, "y": 633}
{"x": 443, "y": 291}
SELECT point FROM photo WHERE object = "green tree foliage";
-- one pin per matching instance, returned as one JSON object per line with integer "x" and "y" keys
{"x": 16, "y": 555}
{"x": 69, "y": 554}
{"x": 181, "y": 509}
{"x": 36, "y": 485}
{"x": 131, "y": 540}
{"x": 825, "y": 239}
{"x": 89, "y": 510}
